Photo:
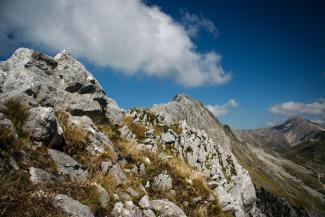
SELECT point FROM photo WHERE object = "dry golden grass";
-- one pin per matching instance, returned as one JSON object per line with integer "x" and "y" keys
{"x": 75, "y": 137}
{"x": 109, "y": 130}
{"x": 130, "y": 151}
{"x": 135, "y": 128}
{"x": 201, "y": 184}
{"x": 7, "y": 137}
{"x": 16, "y": 111}
{"x": 179, "y": 168}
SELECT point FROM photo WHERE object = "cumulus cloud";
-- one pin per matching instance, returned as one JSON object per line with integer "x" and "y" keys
{"x": 194, "y": 23}
{"x": 128, "y": 36}
{"x": 220, "y": 110}
{"x": 315, "y": 109}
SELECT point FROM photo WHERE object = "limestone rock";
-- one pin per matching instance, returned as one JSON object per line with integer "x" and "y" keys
{"x": 163, "y": 182}
{"x": 167, "y": 208}
{"x": 148, "y": 213}
{"x": 41, "y": 124}
{"x": 66, "y": 165}
{"x": 128, "y": 209}
{"x": 71, "y": 206}
{"x": 145, "y": 202}
{"x": 105, "y": 165}
{"x": 103, "y": 195}
{"x": 39, "y": 176}
{"x": 118, "y": 174}
{"x": 168, "y": 137}
{"x": 97, "y": 142}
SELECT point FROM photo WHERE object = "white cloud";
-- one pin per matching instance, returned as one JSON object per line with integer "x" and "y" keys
{"x": 271, "y": 123}
{"x": 194, "y": 23}
{"x": 127, "y": 35}
{"x": 220, "y": 110}
{"x": 315, "y": 109}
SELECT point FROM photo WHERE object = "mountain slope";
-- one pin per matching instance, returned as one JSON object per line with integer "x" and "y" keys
{"x": 286, "y": 160}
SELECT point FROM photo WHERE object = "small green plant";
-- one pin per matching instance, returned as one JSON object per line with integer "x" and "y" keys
{"x": 16, "y": 111}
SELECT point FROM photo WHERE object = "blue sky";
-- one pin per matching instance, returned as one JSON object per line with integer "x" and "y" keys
{"x": 273, "y": 50}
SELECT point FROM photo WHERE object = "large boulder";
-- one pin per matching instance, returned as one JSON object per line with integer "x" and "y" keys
{"x": 41, "y": 124}
{"x": 70, "y": 206}
{"x": 66, "y": 165}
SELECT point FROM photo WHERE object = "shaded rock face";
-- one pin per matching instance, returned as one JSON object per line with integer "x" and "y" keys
{"x": 273, "y": 206}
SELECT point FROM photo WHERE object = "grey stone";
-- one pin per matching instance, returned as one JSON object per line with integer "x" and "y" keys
{"x": 132, "y": 192}
{"x": 145, "y": 202}
{"x": 97, "y": 142}
{"x": 167, "y": 208}
{"x": 66, "y": 165}
{"x": 39, "y": 176}
{"x": 148, "y": 213}
{"x": 103, "y": 195}
{"x": 41, "y": 124}
{"x": 105, "y": 165}
{"x": 163, "y": 182}
{"x": 118, "y": 174}
{"x": 128, "y": 209}
{"x": 71, "y": 206}
{"x": 168, "y": 137}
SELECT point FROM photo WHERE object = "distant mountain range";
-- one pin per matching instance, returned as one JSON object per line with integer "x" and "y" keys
{"x": 290, "y": 133}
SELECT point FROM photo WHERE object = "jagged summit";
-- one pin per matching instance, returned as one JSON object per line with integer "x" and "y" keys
{"x": 182, "y": 97}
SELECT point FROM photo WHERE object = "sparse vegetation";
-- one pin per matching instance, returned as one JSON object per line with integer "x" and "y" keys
{"x": 16, "y": 111}
{"x": 75, "y": 137}
{"x": 136, "y": 128}
{"x": 7, "y": 137}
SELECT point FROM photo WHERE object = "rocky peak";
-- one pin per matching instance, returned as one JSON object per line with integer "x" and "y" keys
{"x": 196, "y": 115}
{"x": 77, "y": 135}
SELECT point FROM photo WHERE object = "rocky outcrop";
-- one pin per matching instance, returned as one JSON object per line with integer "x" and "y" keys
{"x": 54, "y": 84}
{"x": 206, "y": 145}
